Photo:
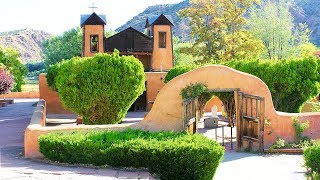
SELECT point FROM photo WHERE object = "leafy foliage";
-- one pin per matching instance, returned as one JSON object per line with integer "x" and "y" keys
{"x": 167, "y": 154}
{"x": 273, "y": 24}
{"x": 299, "y": 128}
{"x": 217, "y": 26}
{"x": 178, "y": 70}
{"x": 35, "y": 68}
{"x": 10, "y": 58}
{"x": 101, "y": 89}
{"x": 6, "y": 80}
{"x": 312, "y": 158}
{"x": 291, "y": 82}
{"x": 66, "y": 46}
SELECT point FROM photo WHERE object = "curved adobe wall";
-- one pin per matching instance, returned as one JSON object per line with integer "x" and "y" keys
{"x": 166, "y": 113}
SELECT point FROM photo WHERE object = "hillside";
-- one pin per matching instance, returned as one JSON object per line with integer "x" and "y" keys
{"x": 180, "y": 29}
{"x": 303, "y": 11}
{"x": 27, "y": 41}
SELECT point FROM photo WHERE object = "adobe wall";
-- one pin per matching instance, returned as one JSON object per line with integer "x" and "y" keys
{"x": 215, "y": 101}
{"x": 92, "y": 30}
{"x": 54, "y": 105}
{"x": 37, "y": 127}
{"x": 162, "y": 55}
{"x": 166, "y": 113}
{"x": 21, "y": 95}
{"x": 154, "y": 85}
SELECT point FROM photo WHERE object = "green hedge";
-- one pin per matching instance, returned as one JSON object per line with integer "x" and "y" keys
{"x": 178, "y": 70}
{"x": 291, "y": 82}
{"x": 167, "y": 154}
{"x": 101, "y": 88}
{"x": 312, "y": 157}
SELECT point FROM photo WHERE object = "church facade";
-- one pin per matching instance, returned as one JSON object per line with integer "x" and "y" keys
{"x": 154, "y": 49}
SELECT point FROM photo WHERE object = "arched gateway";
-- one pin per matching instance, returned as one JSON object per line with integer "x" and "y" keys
{"x": 167, "y": 114}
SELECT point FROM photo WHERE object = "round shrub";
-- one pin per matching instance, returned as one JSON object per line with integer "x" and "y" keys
{"x": 167, "y": 154}
{"x": 312, "y": 157}
{"x": 101, "y": 88}
{"x": 176, "y": 71}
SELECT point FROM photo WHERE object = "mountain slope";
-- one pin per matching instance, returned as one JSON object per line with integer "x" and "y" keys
{"x": 27, "y": 41}
{"x": 180, "y": 29}
{"x": 303, "y": 11}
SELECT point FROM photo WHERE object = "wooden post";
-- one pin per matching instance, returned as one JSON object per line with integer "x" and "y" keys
{"x": 261, "y": 130}
{"x": 238, "y": 100}
{"x": 197, "y": 115}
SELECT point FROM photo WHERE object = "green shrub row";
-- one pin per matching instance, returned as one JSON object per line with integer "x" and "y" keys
{"x": 291, "y": 82}
{"x": 312, "y": 157}
{"x": 167, "y": 154}
{"x": 101, "y": 89}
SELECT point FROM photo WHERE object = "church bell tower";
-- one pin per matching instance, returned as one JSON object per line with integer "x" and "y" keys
{"x": 93, "y": 34}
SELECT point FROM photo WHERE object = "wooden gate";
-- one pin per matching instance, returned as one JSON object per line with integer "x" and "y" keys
{"x": 191, "y": 115}
{"x": 250, "y": 122}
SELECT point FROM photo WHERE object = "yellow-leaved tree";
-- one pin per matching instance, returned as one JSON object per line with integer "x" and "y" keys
{"x": 218, "y": 30}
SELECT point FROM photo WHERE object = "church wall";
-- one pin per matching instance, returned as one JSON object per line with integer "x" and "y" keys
{"x": 154, "y": 85}
{"x": 146, "y": 61}
{"x": 93, "y": 30}
{"x": 162, "y": 56}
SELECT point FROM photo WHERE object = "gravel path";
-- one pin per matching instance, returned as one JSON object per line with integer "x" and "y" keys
{"x": 15, "y": 118}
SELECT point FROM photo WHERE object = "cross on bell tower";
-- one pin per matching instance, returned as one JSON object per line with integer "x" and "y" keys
{"x": 93, "y": 7}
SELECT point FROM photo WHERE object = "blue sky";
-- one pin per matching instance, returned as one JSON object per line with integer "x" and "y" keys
{"x": 57, "y": 16}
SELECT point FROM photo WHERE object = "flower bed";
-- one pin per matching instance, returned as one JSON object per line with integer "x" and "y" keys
{"x": 167, "y": 154}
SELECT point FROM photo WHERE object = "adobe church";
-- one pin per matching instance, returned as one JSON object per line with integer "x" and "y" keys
{"x": 154, "y": 50}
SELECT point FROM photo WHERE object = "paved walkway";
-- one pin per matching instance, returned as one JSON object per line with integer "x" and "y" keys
{"x": 14, "y": 119}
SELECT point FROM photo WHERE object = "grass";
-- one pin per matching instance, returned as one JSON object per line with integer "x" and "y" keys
{"x": 30, "y": 87}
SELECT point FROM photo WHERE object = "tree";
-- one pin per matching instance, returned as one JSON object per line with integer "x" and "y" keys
{"x": 9, "y": 57}
{"x": 217, "y": 27}
{"x": 273, "y": 24}
{"x": 66, "y": 46}
{"x": 6, "y": 80}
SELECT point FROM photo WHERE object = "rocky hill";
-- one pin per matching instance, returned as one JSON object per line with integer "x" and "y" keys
{"x": 303, "y": 11}
{"x": 27, "y": 41}
{"x": 180, "y": 29}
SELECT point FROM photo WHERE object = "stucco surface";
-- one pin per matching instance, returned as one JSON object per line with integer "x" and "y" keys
{"x": 54, "y": 105}
{"x": 92, "y": 30}
{"x": 166, "y": 113}
{"x": 162, "y": 57}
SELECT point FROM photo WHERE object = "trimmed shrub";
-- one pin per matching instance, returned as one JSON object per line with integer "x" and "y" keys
{"x": 6, "y": 80}
{"x": 176, "y": 71}
{"x": 52, "y": 74}
{"x": 312, "y": 157}
{"x": 291, "y": 82}
{"x": 167, "y": 154}
{"x": 101, "y": 88}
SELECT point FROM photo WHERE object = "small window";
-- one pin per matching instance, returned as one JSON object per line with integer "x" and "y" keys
{"x": 94, "y": 43}
{"x": 162, "y": 39}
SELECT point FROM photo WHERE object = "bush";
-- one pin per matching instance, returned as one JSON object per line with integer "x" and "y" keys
{"x": 312, "y": 157}
{"x": 10, "y": 58}
{"x": 167, "y": 154}
{"x": 101, "y": 89}
{"x": 52, "y": 74}
{"x": 6, "y": 80}
{"x": 291, "y": 82}
{"x": 176, "y": 71}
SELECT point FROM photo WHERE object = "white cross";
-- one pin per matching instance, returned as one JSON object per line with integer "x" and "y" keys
{"x": 93, "y": 7}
